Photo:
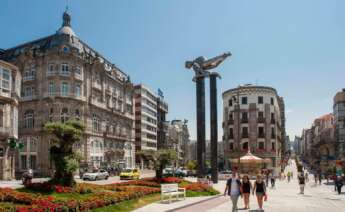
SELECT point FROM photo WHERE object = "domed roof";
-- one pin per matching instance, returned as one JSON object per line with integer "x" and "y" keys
{"x": 66, "y": 28}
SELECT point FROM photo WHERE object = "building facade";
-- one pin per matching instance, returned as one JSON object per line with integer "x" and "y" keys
{"x": 145, "y": 118}
{"x": 178, "y": 139}
{"x": 252, "y": 120}
{"x": 10, "y": 79}
{"x": 339, "y": 115}
{"x": 63, "y": 78}
{"x": 162, "y": 110}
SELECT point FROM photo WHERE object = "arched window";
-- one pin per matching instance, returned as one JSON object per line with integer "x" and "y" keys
{"x": 64, "y": 115}
{"x": 29, "y": 121}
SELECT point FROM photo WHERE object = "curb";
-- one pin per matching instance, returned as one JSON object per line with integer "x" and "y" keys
{"x": 194, "y": 203}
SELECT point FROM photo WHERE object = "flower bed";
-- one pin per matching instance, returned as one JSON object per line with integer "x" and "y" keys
{"x": 83, "y": 197}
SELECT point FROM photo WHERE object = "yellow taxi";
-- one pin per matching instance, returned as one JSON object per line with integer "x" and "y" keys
{"x": 130, "y": 174}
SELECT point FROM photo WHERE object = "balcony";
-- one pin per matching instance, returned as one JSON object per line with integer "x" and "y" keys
{"x": 96, "y": 85}
{"x": 61, "y": 94}
{"x": 78, "y": 77}
{"x": 230, "y": 122}
{"x": 261, "y": 135}
{"x": 261, "y": 119}
{"x": 231, "y": 136}
{"x": 65, "y": 73}
{"x": 273, "y": 135}
{"x": 244, "y": 120}
{"x": 273, "y": 121}
{"x": 51, "y": 73}
{"x": 244, "y": 135}
{"x": 28, "y": 98}
{"x": 28, "y": 78}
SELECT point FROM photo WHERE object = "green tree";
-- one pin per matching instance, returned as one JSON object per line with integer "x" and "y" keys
{"x": 191, "y": 165}
{"x": 65, "y": 160}
{"x": 159, "y": 158}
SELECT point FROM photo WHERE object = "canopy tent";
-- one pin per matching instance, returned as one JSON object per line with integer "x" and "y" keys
{"x": 250, "y": 163}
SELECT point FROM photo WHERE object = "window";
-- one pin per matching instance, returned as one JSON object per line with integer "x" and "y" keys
{"x": 272, "y": 101}
{"x": 244, "y": 132}
{"x": 273, "y": 134}
{"x": 29, "y": 119}
{"x": 23, "y": 161}
{"x": 96, "y": 123}
{"x": 64, "y": 115}
{"x": 245, "y": 115}
{"x": 260, "y": 114}
{"x": 78, "y": 90}
{"x": 261, "y": 145}
{"x": 51, "y": 88}
{"x": 50, "y": 70}
{"x": 64, "y": 89}
{"x": 6, "y": 79}
{"x": 231, "y": 133}
{"x": 273, "y": 146}
{"x": 261, "y": 132}
{"x": 244, "y": 100}
{"x": 245, "y": 146}
{"x": 1, "y": 118}
{"x": 29, "y": 91}
{"x": 33, "y": 161}
{"x": 64, "y": 69}
{"x": 30, "y": 73}
{"x": 79, "y": 71}
{"x": 230, "y": 102}
{"x": 231, "y": 116}
{"x": 231, "y": 146}
{"x": 260, "y": 99}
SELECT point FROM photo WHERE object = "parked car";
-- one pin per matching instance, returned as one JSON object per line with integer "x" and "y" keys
{"x": 171, "y": 172}
{"x": 96, "y": 175}
{"x": 224, "y": 175}
{"x": 130, "y": 174}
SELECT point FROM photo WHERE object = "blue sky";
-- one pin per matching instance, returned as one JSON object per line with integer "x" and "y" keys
{"x": 295, "y": 46}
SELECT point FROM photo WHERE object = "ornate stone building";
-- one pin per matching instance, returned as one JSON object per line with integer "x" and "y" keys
{"x": 252, "y": 120}
{"x": 9, "y": 96}
{"x": 64, "y": 78}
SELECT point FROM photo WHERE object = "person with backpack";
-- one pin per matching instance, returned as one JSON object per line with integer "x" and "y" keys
{"x": 234, "y": 190}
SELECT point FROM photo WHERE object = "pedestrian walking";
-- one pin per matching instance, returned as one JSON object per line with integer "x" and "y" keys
{"x": 306, "y": 177}
{"x": 289, "y": 176}
{"x": 260, "y": 190}
{"x": 339, "y": 184}
{"x": 320, "y": 178}
{"x": 273, "y": 180}
{"x": 267, "y": 177}
{"x": 246, "y": 189}
{"x": 315, "y": 179}
{"x": 234, "y": 190}
{"x": 301, "y": 182}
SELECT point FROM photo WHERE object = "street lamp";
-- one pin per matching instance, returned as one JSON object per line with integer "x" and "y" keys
{"x": 201, "y": 68}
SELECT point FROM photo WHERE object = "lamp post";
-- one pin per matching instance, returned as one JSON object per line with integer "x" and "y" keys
{"x": 200, "y": 67}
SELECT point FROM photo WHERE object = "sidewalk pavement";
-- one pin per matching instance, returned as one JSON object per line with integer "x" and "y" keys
{"x": 284, "y": 198}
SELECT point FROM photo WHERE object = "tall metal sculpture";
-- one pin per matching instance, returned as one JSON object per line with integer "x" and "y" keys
{"x": 201, "y": 67}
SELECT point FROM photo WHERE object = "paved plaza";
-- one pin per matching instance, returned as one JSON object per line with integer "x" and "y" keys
{"x": 284, "y": 198}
